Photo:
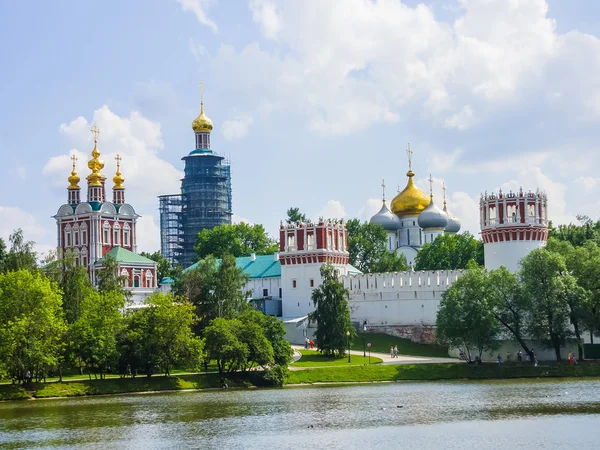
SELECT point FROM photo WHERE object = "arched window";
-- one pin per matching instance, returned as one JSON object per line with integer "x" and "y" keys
{"x": 83, "y": 234}
{"x": 149, "y": 278}
{"x": 76, "y": 235}
{"x": 67, "y": 236}
{"x": 84, "y": 257}
{"x": 125, "y": 276}
{"x": 126, "y": 236}
{"x": 106, "y": 233}
{"x": 116, "y": 234}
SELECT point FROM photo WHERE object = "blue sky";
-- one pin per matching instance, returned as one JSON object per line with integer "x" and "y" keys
{"x": 314, "y": 102}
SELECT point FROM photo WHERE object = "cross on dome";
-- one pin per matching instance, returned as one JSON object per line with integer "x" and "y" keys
{"x": 409, "y": 152}
{"x": 444, "y": 189}
{"x": 430, "y": 186}
{"x": 74, "y": 159}
{"x": 95, "y": 131}
{"x": 383, "y": 189}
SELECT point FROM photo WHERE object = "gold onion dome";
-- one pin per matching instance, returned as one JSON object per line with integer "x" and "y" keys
{"x": 202, "y": 124}
{"x": 95, "y": 165}
{"x": 411, "y": 200}
{"x": 73, "y": 179}
{"x": 118, "y": 179}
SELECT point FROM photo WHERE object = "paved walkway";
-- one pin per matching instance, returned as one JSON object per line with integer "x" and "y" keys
{"x": 401, "y": 359}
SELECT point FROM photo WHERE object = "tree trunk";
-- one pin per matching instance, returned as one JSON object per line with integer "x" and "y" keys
{"x": 578, "y": 337}
{"x": 556, "y": 344}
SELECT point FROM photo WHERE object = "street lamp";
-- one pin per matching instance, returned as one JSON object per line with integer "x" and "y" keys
{"x": 348, "y": 339}
{"x": 364, "y": 340}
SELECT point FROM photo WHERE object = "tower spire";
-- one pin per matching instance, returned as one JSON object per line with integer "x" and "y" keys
{"x": 118, "y": 188}
{"x": 202, "y": 126}
{"x": 444, "y": 189}
{"x": 74, "y": 189}
{"x": 430, "y": 187}
{"x": 383, "y": 190}
{"x": 96, "y": 179}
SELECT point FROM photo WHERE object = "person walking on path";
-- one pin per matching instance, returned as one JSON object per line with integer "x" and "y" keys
{"x": 395, "y": 351}
{"x": 499, "y": 360}
{"x": 392, "y": 351}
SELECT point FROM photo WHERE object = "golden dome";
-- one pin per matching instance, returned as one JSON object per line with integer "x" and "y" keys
{"x": 202, "y": 124}
{"x": 95, "y": 165}
{"x": 73, "y": 179}
{"x": 118, "y": 179}
{"x": 411, "y": 200}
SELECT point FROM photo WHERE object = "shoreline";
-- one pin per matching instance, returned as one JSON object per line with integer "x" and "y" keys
{"x": 308, "y": 377}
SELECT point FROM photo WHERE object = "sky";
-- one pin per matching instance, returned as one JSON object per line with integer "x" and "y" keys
{"x": 314, "y": 103}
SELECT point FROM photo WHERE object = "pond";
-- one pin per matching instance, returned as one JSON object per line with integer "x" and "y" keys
{"x": 465, "y": 415}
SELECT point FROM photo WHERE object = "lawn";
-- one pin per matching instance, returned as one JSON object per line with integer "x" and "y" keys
{"x": 441, "y": 371}
{"x": 381, "y": 343}
{"x": 312, "y": 358}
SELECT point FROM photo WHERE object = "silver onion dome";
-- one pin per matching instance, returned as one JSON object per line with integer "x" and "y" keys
{"x": 386, "y": 218}
{"x": 433, "y": 217}
{"x": 453, "y": 222}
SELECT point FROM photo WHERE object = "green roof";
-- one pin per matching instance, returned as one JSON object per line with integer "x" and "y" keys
{"x": 125, "y": 256}
{"x": 264, "y": 266}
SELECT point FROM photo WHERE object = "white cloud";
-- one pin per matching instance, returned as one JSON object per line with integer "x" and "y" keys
{"x": 12, "y": 218}
{"x": 587, "y": 182}
{"x": 236, "y": 128}
{"x": 238, "y": 219}
{"x": 139, "y": 142}
{"x": 369, "y": 209}
{"x": 461, "y": 120}
{"x": 199, "y": 8}
{"x": 466, "y": 209}
{"x": 333, "y": 209}
{"x": 148, "y": 234}
{"x": 197, "y": 49}
{"x": 264, "y": 12}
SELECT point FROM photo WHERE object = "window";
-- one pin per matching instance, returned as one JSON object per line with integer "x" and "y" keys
{"x": 68, "y": 236}
{"x": 117, "y": 234}
{"x": 106, "y": 233}
{"x": 125, "y": 276}
{"x": 312, "y": 283}
{"x": 310, "y": 241}
{"x": 280, "y": 293}
{"x": 413, "y": 223}
{"x": 511, "y": 212}
{"x": 75, "y": 238}
{"x": 149, "y": 278}
{"x": 84, "y": 258}
{"x": 126, "y": 236}
{"x": 136, "y": 281}
{"x": 265, "y": 292}
{"x": 407, "y": 237}
{"x": 294, "y": 284}
{"x": 291, "y": 243}
{"x": 492, "y": 212}
{"x": 531, "y": 209}
{"x": 83, "y": 234}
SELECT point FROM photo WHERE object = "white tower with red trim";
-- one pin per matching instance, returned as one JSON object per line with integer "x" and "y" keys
{"x": 304, "y": 248}
{"x": 512, "y": 225}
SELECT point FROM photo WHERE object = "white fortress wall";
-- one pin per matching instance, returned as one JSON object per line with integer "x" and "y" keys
{"x": 399, "y": 298}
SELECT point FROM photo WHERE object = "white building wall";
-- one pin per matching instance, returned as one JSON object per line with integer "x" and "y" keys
{"x": 296, "y": 301}
{"x": 401, "y": 298}
{"x": 409, "y": 233}
{"x": 258, "y": 285}
{"x": 508, "y": 254}
{"x": 410, "y": 253}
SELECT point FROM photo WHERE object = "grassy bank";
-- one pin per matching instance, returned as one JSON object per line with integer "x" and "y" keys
{"x": 125, "y": 385}
{"x": 381, "y": 343}
{"x": 446, "y": 371}
{"x": 312, "y": 358}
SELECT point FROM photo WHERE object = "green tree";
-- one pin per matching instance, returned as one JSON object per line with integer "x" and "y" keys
{"x": 93, "y": 336}
{"x": 198, "y": 285}
{"x": 542, "y": 276}
{"x": 450, "y": 252}
{"x": 577, "y": 235}
{"x": 2, "y": 254}
{"x": 223, "y": 345}
{"x": 32, "y": 326}
{"x": 21, "y": 255}
{"x": 465, "y": 319}
{"x": 228, "y": 294}
{"x": 509, "y": 304}
{"x": 294, "y": 216}
{"x": 332, "y": 313}
{"x": 109, "y": 279}
{"x": 163, "y": 266}
{"x": 238, "y": 240}
{"x": 367, "y": 245}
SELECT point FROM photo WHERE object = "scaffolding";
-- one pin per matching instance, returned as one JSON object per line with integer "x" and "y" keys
{"x": 205, "y": 202}
{"x": 171, "y": 228}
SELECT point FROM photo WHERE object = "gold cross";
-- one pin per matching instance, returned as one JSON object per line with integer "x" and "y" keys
{"x": 74, "y": 159}
{"x": 201, "y": 91}
{"x": 444, "y": 189}
{"x": 118, "y": 160}
{"x": 383, "y": 189}
{"x": 409, "y": 152}
{"x": 95, "y": 131}
{"x": 430, "y": 185}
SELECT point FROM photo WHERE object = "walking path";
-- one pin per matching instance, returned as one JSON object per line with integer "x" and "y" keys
{"x": 387, "y": 359}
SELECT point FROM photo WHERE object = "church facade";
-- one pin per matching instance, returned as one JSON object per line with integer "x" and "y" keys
{"x": 89, "y": 230}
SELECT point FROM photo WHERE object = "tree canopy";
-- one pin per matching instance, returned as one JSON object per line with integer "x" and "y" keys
{"x": 332, "y": 313}
{"x": 20, "y": 256}
{"x": 450, "y": 252}
{"x": 295, "y": 216}
{"x": 367, "y": 245}
{"x": 239, "y": 239}
{"x": 577, "y": 235}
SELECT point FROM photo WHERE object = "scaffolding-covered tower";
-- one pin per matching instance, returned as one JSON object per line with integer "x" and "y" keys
{"x": 204, "y": 202}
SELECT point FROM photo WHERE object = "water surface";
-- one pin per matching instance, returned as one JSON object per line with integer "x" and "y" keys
{"x": 465, "y": 415}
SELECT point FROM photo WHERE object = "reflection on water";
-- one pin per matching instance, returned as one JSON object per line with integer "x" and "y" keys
{"x": 531, "y": 414}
